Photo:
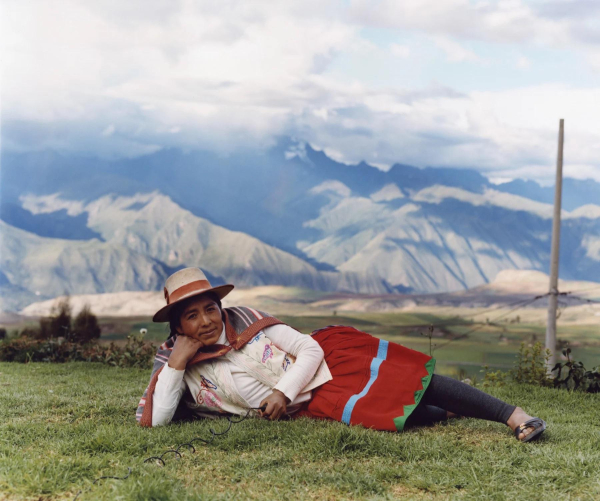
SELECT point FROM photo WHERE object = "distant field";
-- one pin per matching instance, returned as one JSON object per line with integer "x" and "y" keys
{"x": 64, "y": 425}
{"x": 495, "y": 345}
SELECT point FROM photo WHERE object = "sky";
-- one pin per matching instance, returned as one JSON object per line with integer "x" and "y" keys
{"x": 480, "y": 84}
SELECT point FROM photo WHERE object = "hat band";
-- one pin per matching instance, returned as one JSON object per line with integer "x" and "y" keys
{"x": 177, "y": 294}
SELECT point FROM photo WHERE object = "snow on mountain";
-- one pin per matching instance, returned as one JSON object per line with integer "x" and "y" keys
{"x": 331, "y": 187}
{"x": 436, "y": 194}
{"x": 589, "y": 211}
{"x": 591, "y": 244}
{"x": 387, "y": 193}
{"x": 47, "y": 204}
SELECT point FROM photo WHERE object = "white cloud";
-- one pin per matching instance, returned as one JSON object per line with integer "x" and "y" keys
{"x": 523, "y": 63}
{"x": 397, "y": 50}
{"x": 109, "y": 131}
{"x": 491, "y": 20}
{"x": 128, "y": 79}
{"x": 454, "y": 51}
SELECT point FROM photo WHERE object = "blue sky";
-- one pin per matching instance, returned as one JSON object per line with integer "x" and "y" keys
{"x": 458, "y": 83}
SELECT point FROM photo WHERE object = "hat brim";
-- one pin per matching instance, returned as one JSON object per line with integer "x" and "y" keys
{"x": 162, "y": 315}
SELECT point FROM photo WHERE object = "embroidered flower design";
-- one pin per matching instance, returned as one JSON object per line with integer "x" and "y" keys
{"x": 268, "y": 353}
{"x": 211, "y": 400}
{"x": 208, "y": 398}
{"x": 286, "y": 363}
{"x": 207, "y": 383}
{"x": 255, "y": 338}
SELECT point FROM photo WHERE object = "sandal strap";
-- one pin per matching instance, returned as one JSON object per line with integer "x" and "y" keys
{"x": 534, "y": 423}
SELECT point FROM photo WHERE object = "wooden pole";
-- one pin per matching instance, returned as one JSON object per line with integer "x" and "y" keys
{"x": 552, "y": 304}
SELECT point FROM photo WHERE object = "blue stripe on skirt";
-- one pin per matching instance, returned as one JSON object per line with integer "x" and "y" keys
{"x": 375, "y": 364}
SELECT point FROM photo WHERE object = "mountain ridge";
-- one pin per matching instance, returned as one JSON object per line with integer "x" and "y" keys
{"x": 353, "y": 228}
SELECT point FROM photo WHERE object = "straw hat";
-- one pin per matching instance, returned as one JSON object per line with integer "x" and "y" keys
{"x": 187, "y": 283}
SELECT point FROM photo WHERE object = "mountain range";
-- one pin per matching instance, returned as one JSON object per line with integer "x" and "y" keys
{"x": 286, "y": 216}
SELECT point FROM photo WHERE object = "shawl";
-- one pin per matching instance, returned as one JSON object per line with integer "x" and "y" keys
{"x": 241, "y": 325}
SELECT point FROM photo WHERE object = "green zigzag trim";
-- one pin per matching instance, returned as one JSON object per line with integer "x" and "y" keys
{"x": 400, "y": 421}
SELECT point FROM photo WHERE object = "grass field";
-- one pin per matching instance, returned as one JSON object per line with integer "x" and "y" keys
{"x": 64, "y": 425}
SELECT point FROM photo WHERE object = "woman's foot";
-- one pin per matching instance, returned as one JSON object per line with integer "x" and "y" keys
{"x": 518, "y": 417}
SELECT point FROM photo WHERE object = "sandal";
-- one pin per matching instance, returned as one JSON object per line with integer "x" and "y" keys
{"x": 538, "y": 425}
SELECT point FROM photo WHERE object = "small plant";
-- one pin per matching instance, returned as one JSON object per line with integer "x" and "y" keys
{"x": 573, "y": 375}
{"x": 430, "y": 337}
{"x": 493, "y": 379}
{"x": 530, "y": 366}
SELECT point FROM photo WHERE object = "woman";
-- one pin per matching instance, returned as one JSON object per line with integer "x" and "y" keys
{"x": 237, "y": 359}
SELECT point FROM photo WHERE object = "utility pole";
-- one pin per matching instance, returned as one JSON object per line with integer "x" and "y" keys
{"x": 552, "y": 304}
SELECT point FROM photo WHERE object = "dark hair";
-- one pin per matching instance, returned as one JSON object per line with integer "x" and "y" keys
{"x": 177, "y": 310}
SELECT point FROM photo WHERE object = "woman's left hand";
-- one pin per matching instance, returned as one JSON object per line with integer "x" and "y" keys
{"x": 276, "y": 404}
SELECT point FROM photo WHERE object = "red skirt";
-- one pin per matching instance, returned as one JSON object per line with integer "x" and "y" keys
{"x": 376, "y": 383}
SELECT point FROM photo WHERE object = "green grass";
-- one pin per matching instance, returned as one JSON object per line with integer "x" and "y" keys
{"x": 62, "y": 426}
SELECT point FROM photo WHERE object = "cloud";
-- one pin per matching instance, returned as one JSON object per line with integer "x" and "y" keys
{"x": 523, "y": 63}
{"x": 109, "y": 131}
{"x": 454, "y": 51}
{"x": 129, "y": 79}
{"x": 398, "y": 50}
{"x": 504, "y": 21}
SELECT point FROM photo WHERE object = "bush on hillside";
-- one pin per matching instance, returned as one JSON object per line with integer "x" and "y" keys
{"x": 58, "y": 324}
{"x": 85, "y": 326}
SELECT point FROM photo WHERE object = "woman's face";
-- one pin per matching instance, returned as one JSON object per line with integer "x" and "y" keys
{"x": 201, "y": 319}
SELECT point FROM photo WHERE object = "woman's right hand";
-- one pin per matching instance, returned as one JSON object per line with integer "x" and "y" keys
{"x": 184, "y": 349}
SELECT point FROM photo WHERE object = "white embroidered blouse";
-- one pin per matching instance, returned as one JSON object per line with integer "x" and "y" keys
{"x": 171, "y": 383}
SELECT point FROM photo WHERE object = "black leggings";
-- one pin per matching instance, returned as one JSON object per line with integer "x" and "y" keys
{"x": 447, "y": 394}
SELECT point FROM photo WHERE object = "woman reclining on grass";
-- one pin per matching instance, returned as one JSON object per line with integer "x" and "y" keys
{"x": 238, "y": 360}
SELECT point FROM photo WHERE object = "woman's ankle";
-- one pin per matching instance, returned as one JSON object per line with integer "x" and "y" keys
{"x": 517, "y": 417}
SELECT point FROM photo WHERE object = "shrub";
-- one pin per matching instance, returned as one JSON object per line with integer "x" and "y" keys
{"x": 530, "y": 368}
{"x": 574, "y": 376}
{"x": 135, "y": 353}
{"x": 531, "y": 365}
{"x": 497, "y": 378}
{"x": 85, "y": 326}
{"x": 2, "y": 333}
{"x": 56, "y": 341}
{"x": 58, "y": 324}
{"x": 24, "y": 349}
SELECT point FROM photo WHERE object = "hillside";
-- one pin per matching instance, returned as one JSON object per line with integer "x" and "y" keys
{"x": 509, "y": 287}
{"x": 288, "y": 216}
